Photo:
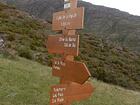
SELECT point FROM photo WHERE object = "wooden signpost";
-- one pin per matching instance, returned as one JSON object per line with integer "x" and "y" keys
{"x": 73, "y": 74}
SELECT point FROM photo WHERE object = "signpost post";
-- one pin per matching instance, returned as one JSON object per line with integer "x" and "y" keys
{"x": 73, "y": 74}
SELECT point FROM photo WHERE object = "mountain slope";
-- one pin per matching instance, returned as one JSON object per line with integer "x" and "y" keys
{"x": 27, "y": 82}
{"x": 111, "y": 24}
{"x": 25, "y": 36}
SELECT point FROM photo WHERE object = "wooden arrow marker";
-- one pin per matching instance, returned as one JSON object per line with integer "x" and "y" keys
{"x": 64, "y": 93}
{"x": 70, "y": 70}
{"x": 62, "y": 44}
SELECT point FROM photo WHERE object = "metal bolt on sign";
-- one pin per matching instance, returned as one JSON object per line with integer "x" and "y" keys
{"x": 74, "y": 85}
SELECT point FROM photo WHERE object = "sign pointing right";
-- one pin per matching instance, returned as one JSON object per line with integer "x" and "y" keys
{"x": 70, "y": 70}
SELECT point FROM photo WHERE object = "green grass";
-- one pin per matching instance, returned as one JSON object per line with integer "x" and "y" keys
{"x": 111, "y": 95}
{"x": 24, "y": 82}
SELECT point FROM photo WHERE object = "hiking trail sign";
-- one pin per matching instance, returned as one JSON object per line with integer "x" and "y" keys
{"x": 74, "y": 75}
{"x": 61, "y": 44}
{"x": 64, "y": 93}
{"x": 69, "y": 19}
{"x": 70, "y": 70}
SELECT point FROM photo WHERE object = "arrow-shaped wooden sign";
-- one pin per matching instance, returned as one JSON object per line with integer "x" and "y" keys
{"x": 61, "y": 94}
{"x": 70, "y": 70}
{"x": 68, "y": 19}
{"x": 60, "y": 44}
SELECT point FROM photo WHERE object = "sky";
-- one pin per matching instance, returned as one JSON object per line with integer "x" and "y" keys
{"x": 131, "y": 6}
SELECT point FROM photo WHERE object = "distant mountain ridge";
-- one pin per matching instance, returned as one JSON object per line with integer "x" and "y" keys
{"x": 108, "y": 23}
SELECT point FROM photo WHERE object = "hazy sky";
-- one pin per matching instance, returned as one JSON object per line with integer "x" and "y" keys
{"x": 131, "y": 6}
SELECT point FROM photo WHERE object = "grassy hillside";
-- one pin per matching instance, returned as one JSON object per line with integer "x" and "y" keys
{"x": 110, "y": 63}
{"x": 25, "y": 36}
{"x": 24, "y": 82}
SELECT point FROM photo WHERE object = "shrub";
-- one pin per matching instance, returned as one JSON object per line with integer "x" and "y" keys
{"x": 25, "y": 52}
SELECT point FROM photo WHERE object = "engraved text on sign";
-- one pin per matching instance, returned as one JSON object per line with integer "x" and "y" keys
{"x": 70, "y": 19}
{"x": 61, "y": 44}
{"x": 66, "y": 69}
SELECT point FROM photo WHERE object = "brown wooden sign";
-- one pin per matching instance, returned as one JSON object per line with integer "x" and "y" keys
{"x": 68, "y": 19}
{"x": 70, "y": 70}
{"x": 61, "y": 94}
{"x": 61, "y": 44}
{"x": 79, "y": 92}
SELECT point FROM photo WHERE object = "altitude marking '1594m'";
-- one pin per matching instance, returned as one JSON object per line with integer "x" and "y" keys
{"x": 60, "y": 44}
{"x": 68, "y": 19}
